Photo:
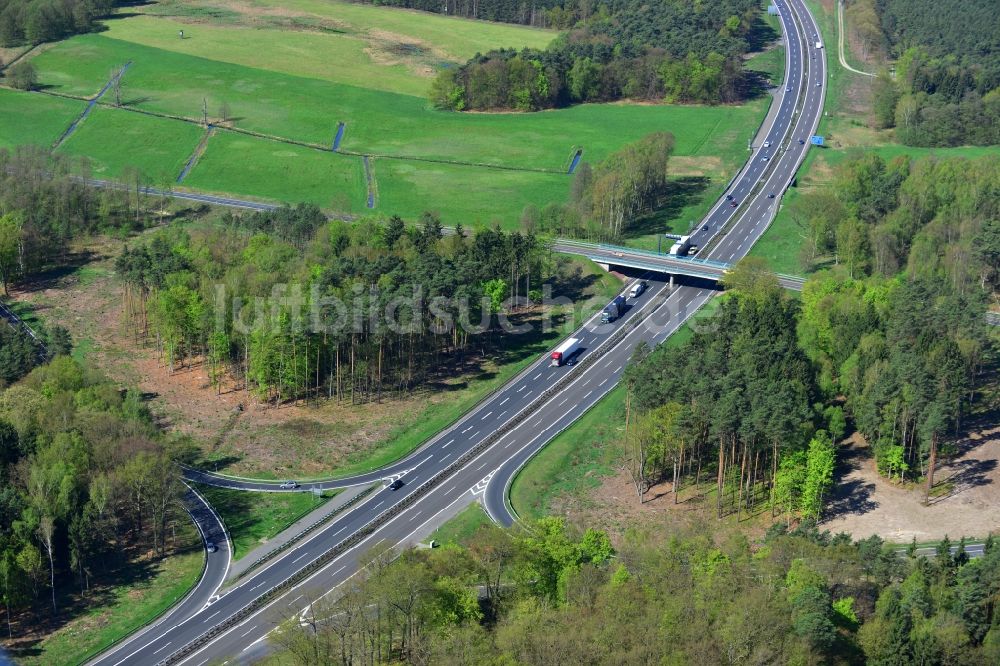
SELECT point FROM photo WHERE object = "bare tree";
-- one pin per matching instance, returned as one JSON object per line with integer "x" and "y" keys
{"x": 117, "y": 75}
{"x": 46, "y": 533}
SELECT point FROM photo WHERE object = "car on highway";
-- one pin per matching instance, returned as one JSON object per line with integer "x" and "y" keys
{"x": 802, "y": 142}
{"x": 763, "y": 159}
{"x": 733, "y": 204}
{"x": 637, "y": 289}
{"x": 396, "y": 485}
{"x": 289, "y": 485}
{"x": 770, "y": 195}
{"x": 788, "y": 89}
{"x": 767, "y": 144}
{"x": 729, "y": 197}
{"x": 211, "y": 547}
{"x": 819, "y": 84}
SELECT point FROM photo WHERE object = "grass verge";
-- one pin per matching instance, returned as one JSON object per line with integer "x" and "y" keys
{"x": 576, "y": 460}
{"x": 128, "y": 605}
{"x": 460, "y": 528}
{"x": 254, "y": 518}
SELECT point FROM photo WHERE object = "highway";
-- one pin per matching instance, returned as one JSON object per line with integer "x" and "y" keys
{"x": 481, "y": 453}
{"x": 214, "y": 574}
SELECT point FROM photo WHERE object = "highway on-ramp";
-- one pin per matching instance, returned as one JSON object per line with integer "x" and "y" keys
{"x": 481, "y": 453}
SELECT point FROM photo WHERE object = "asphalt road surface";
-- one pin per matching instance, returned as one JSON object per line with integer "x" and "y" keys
{"x": 727, "y": 232}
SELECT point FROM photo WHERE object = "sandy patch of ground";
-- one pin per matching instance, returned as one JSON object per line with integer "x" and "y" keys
{"x": 613, "y": 506}
{"x": 388, "y": 48}
{"x": 968, "y": 501}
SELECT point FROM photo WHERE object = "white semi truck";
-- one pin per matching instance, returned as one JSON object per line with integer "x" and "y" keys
{"x": 681, "y": 247}
{"x": 563, "y": 352}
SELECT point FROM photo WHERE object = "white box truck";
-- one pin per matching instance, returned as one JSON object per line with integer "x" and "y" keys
{"x": 564, "y": 351}
{"x": 681, "y": 247}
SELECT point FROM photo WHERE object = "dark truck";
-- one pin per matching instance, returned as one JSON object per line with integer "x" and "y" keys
{"x": 614, "y": 310}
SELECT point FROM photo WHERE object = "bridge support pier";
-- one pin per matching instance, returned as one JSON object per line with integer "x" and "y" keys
{"x": 606, "y": 267}
{"x": 671, "y": 286}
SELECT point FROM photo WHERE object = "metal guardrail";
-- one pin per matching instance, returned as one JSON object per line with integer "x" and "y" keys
{"x": 18, "y": 324}
{"x": 619, "y": 250}
{"x": 316, "y": 565}
{"x": 306, "y": 532}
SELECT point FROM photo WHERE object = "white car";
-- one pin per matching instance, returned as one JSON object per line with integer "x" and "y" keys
{"x": 289, "y": 485}
{"x": 767, "y": 144}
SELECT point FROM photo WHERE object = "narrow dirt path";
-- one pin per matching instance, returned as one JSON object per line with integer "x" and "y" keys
{"x": 840, "y": 42}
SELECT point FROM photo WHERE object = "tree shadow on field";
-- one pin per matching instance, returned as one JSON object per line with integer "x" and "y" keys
{"x": 850, "y": 496}
{"x": 675, "y": 197}
{"x": 136, "y": 101}
{"x": 38, "y": 620}
{"x": 54, "y": 278}
{"x": 761, "y": 35}
{"x": 966, "y": 474}
{"x": 755, "y": 84}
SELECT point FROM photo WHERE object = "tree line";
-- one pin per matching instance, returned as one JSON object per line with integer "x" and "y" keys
{"x": 291, "y": 305}
{"x": 677, "y": 51}
{"x": 45, "y": 204}
{"x": 891, "y": 339}
{"x": 38, "y": 21}
{"x": 550, "y": 594}
{"x": 946, "y": 91}
{"x": 926, "y": 217}
{"x": 20, "y": 353}
{"x": 86, "y": 486}
{"x": 607, "y": 200}
{"x": 737, "y": 400}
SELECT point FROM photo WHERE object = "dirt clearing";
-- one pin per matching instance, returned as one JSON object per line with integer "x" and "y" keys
{"x": 965, "y": 502}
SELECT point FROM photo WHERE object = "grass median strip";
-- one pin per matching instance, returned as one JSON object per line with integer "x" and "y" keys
{"x": 254, "y": 518}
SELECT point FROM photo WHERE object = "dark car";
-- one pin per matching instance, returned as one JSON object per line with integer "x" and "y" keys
{"x": 396, "y": 485}
{"x": 705, "y": 228}
{"x": 771, "y": 195}
{"x": 211, "y": 547}
{"x": 802, "y": 142}
{"x": 733, "y": 204}
{"x": 729, "y": 197}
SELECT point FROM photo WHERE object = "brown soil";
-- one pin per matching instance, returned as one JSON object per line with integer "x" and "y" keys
{"x": 965, "y": 502}
{"x": 614, "y": 507}
{"x": 291, "y": 440}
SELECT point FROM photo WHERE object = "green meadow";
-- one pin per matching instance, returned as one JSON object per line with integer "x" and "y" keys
{"x": 114, "y": 139}
{"x": 265, "y": 169}
{"x": 291, "y": 71}
{"x": 41, "y": 119}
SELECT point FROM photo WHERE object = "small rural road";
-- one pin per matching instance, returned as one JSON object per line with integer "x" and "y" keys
{"x": 840, "y": 42}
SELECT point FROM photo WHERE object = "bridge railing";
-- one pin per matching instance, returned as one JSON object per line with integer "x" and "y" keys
{"x": 619, "y": 251}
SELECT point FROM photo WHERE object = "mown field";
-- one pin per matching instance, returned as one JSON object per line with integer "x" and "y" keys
{"x": 114, "y": 139}
{"x": 293, "y": 71}
{"x": 266, "y": 169}
{"x": 39, "y": 119}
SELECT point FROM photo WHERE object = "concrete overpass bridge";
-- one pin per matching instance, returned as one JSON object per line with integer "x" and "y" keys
{"x": 628, "y": 257}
